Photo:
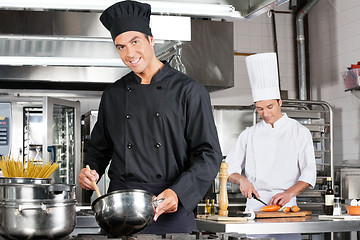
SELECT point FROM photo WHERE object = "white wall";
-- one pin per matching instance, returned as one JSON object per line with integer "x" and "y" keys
{"x": 334, "y": 28}
{"x": 256, "y": 36}
{"x": 334, "y": 44}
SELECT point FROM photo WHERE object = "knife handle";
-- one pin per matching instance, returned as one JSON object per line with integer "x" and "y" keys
{"x": 256, "y": 198}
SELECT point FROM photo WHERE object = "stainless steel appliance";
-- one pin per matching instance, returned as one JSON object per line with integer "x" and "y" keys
{"x": 57, "y": 56}
{"x": 47, "y": 129}
{"x": 5, "y": 119}
{"x": 349, "y": 183}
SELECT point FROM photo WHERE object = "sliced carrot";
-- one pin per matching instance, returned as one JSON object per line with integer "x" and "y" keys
{"x": 271, "y": 208}
{"x": 295, "y": 209}
{"x": 285, "y": 209}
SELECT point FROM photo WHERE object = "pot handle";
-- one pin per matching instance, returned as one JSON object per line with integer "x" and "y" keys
{"x": 59, "y": 188}
{"x": 32, "y": 207}
{"x": 156, "y": 202}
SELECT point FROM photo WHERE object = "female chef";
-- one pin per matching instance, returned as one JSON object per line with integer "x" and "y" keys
{"x": 273, "y": 159}
{"x": 155, "y": 124}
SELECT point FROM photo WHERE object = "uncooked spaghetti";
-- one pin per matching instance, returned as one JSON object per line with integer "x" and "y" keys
{"x": 31, "y": 169}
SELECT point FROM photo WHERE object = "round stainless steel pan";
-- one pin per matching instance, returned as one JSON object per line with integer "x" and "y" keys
{"x": 125, "y": 212}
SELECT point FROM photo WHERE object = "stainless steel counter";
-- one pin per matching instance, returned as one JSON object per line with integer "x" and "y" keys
{"x": 310, "y": 224}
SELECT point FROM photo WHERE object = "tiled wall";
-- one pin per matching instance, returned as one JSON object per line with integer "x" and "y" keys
{"x": 334, "y": 44}
{"x": 334, "y": 27}
{"x": 256, "y": 36}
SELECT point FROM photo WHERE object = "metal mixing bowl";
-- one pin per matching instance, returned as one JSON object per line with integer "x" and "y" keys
{"x": 125, "y": 212}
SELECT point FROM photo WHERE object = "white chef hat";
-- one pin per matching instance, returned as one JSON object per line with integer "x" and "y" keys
{"x": 263, "y": 74}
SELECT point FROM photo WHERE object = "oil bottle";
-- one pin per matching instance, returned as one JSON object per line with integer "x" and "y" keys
{"x": 329, "y": 197}
{"x": 207, "y": 207}
{"x": 212, "y": 211}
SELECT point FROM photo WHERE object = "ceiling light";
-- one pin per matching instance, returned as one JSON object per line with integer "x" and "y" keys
{"x": 157, "y": 7}
{"x": 60, "y": 61}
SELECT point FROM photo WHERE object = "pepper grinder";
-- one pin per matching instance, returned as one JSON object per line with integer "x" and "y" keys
{"x": 223, "y": 198}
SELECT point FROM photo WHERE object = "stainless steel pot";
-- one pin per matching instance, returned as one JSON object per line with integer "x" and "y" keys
{"x": 14, "y": 191}
{"x": 23, "y": 190}
{"x": 25, "y": 180}
{"x": 38, "y": 219}
{"x": 125, "y": 212}
{"x": 19, "y": 180}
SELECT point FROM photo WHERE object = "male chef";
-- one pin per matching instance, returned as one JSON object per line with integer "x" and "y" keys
{"x": 155, "y": 124}
{"x": 273, "y": 159}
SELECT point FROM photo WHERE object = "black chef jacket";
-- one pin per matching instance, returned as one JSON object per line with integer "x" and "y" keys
{"x": 160, "y": 133}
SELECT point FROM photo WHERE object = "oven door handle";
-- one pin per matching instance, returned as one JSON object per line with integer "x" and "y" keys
{"x": 51, "y": 149}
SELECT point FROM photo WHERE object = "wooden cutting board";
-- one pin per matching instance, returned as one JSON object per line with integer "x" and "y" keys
{"x": 222, "y": 218}
{"x": 280, "y": 214}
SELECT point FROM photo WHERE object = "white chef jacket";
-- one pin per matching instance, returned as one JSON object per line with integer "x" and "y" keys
{"x": 274, "y": 159}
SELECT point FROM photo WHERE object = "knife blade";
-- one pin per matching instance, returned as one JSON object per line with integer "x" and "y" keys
{"x": 256, "y": 198}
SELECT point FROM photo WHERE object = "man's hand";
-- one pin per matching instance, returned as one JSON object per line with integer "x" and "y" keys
{"x": 86, "y": 178}
{"x": 281, "y": 198}
{"x": 246, "y": 188}
{"x": 169, "y": 205}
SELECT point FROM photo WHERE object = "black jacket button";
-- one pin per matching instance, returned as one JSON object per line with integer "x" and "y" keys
{"x": 158, "y": 176}
{"x": 129, "y": 146}
{"x": 157, "y": 114}
{"x": 128, "y": 116}
{"x": 158, "y": 145}
{"x": 129, "y": 89}
{"x": 159, "y": 87}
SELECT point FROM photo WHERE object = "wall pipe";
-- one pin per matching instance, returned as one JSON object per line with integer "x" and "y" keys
{"x": 300, "y": 38}
{"x": 276, "y": 45}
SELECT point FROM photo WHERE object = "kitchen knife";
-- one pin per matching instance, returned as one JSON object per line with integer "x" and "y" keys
{"x": 255, "y": 197}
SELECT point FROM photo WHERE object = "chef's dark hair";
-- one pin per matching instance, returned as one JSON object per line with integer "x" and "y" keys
{"x": 278, "y": 100}
{"x": 127, "y": 16}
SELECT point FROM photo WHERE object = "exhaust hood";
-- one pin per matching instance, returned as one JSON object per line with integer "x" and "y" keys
{"x": 252, "y": 8}
{"x": 63, "y": 40}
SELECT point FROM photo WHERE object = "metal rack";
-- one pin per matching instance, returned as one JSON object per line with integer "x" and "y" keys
{"x": 32, "y": 145}
{"x": 63, "y": 142}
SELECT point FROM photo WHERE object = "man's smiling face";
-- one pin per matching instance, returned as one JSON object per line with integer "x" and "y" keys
{"x": 136, "y": 51}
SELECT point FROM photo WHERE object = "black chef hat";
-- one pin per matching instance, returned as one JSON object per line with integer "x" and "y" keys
{"x": 127, "y": 16}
